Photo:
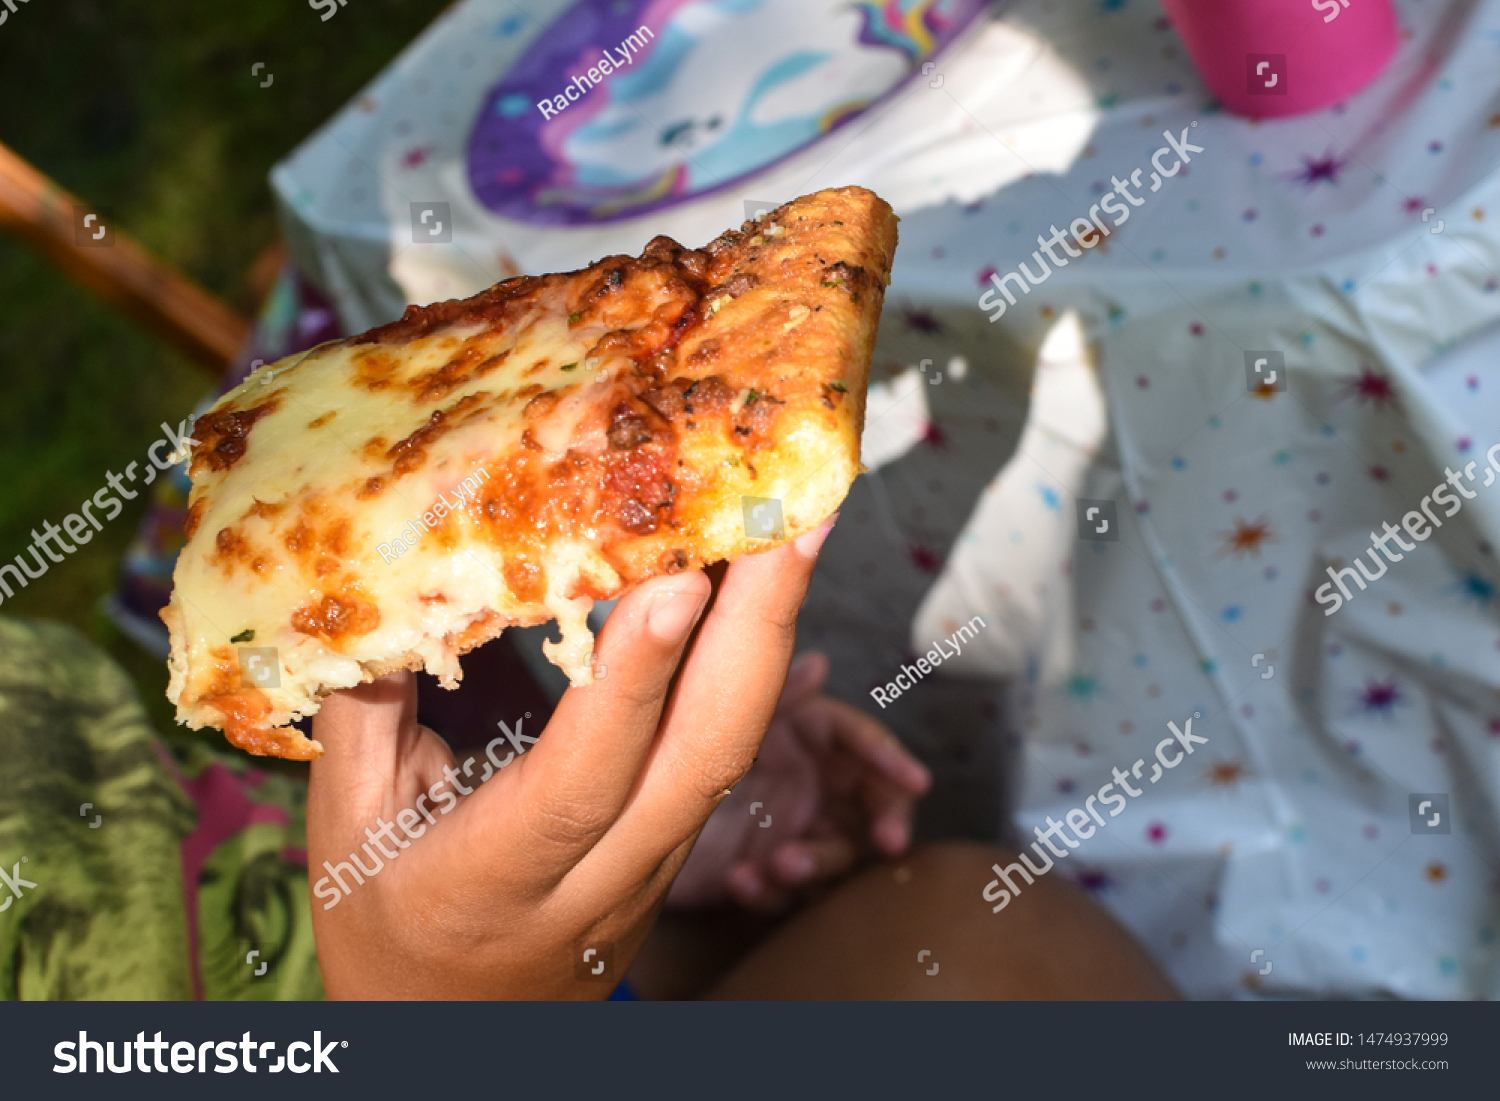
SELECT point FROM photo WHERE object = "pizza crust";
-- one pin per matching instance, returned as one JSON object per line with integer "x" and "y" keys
{"x": 393, "y": 500}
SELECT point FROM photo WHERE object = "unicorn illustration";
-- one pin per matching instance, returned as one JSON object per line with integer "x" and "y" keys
{"x": 724, "y": 89}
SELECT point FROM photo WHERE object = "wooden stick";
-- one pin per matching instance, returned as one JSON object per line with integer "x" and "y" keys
{"x": 100, "y": 258}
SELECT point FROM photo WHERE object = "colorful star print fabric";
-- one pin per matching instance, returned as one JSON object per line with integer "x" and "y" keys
{"x": 1296, "y": 344}
{"x": 1247, "y": 347}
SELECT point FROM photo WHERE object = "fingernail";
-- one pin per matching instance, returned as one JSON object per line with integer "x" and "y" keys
{"x": 893, "y": 836}
{"x": 800, "y": 666}
{"x": 904, "y": 770}
{"x": 800, "y": 865}
{"x": 674, "y": 613}
{"x": 746, "y": 884}
{"x": 809, "y": 543}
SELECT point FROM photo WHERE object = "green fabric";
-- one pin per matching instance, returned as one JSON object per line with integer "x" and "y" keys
{"x": 108, "y": 917}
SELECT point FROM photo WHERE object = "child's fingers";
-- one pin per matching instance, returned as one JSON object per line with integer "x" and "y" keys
{"x": 798, "y": 863}
{"x": 368, "y": 734}
{"x": 888, "y": 808}
{"x": 722, "y": 703}
{"x": 890, "y": 827}
{"x": 745, "y": 883}
{"x": 831, "y": 723}
{"x": 804, "y": 680}
{"x": 755, "y": 891}
{"x": 572, "y": 785}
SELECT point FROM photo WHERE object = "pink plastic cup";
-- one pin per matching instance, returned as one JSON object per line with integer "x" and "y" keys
{"x": 1272, "y": 58}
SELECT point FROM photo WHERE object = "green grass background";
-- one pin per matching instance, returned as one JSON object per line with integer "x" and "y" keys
{"x": 148, "y": 110}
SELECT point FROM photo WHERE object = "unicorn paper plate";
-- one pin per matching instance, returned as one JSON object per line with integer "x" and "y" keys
{"x": 628, "y": 106}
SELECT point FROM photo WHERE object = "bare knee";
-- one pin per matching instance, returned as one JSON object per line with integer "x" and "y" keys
{"x": 952, "y": 859}
{"x": 867, "y": 938}
{"x": 1051, "y": 939}
{"x": 958, "y": 871}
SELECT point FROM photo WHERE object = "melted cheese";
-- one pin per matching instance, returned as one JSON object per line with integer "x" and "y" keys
{"x": 423, "y": 591}
{"x": 391, "y": 501}
{"x": 563, "y": 426}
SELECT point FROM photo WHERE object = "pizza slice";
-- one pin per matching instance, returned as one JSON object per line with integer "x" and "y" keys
{"x": 393, "y": 500}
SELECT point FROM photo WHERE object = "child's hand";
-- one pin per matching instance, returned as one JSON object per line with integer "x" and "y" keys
{"x": 575, "y": 842}
{"x": 834, "y": 783}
